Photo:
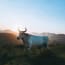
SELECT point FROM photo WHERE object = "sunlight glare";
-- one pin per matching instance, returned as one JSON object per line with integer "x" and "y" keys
{"x": 16, "y": 28}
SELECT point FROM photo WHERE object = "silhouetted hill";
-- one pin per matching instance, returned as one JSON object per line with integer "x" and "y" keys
{"x": 9, "y": 38}
{"x": 8, "y": 31}
{"x": 55, "y": 38}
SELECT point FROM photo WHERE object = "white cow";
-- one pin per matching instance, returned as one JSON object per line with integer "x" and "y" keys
{"x": 32, "y": 40}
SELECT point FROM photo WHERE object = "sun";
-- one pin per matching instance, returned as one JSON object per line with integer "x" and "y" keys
{"x": 16, "y": 28}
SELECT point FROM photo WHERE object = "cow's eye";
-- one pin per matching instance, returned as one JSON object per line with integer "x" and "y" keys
{"x": 18, "y": 38}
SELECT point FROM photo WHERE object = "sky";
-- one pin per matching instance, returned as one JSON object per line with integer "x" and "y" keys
{"x": 36, "y": 15}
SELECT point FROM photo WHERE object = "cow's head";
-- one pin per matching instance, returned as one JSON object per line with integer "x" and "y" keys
{"x": 21, "y": 34}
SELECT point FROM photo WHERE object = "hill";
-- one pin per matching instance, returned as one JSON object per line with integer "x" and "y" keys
{"x": 55, "y": 38}
{"x": 9, "y": 39}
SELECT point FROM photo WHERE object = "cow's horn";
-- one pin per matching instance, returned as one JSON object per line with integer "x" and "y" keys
{"x": 25, "y": 29}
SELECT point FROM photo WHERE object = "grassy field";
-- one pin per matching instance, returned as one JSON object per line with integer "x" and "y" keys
{"x": 14, "y": 55}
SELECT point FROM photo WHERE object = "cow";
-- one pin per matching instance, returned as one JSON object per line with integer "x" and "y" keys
{"x": 30, "y": 40}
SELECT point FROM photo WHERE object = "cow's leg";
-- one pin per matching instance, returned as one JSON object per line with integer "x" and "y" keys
{"x": 45, "y": 45}
{"x": 27, "y": 50}
{"x": 24, "y": 48}
{"x": 40, "y": 49}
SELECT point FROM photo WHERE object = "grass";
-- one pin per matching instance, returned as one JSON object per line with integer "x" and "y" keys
{"x": 11, "y": 55}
